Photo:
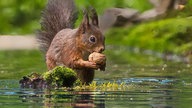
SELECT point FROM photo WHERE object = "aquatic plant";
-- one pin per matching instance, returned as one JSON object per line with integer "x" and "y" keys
{"x": 105, "y": 86}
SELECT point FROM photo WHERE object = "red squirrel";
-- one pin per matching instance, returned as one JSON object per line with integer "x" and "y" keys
{"x": 64, "y": 45}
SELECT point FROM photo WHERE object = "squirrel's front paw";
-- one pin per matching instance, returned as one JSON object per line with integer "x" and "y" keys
{"x": 92, "y": 65}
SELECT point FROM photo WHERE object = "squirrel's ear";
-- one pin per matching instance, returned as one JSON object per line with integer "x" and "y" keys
{"x": 94, "y": 16}
{"x": 85, "y": 23}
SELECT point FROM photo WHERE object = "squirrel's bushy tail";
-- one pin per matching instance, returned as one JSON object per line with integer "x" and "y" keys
{"x": 58, "y": 15}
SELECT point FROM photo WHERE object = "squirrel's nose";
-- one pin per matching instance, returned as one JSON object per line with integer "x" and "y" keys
{"x": 101, "y": 49}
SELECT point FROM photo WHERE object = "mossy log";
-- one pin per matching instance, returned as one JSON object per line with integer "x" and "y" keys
{"x": 58, "y": 77}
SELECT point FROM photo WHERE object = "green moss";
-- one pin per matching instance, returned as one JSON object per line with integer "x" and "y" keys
{"x": 167, "y": 35}
{"x": 60, "y": 76}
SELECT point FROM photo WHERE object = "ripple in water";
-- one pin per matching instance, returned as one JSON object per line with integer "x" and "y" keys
{"x": 140, "y": 92}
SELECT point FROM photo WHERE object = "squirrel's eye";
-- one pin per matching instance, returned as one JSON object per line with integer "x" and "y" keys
{"x": 92, "y": 39}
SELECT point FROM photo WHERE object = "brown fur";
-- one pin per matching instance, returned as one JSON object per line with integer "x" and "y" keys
{"x": 66, "y": 46}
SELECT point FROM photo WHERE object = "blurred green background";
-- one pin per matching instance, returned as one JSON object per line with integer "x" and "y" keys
{"x": 172, "y": 34}
{"x": 22, "y": 16}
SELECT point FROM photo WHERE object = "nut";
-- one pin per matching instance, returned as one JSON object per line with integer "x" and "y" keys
{"x": 98, "y": 58}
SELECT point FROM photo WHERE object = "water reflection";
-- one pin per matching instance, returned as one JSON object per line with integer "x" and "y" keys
{"x": 75, "y": 99}
{"x": 88, "y": 99}
{"x": 140, "y": 92}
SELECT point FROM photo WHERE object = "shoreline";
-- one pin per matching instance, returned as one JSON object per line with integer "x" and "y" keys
{"x": 18, "y": 42}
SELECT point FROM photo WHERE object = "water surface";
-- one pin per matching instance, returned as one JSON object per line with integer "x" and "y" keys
{"x": 171, "y": 91}
{"x": 149, "y": 81}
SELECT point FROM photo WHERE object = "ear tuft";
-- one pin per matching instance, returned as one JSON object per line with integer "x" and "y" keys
{"x": 93, "y": 16}
{"x": 85, "y": 22}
